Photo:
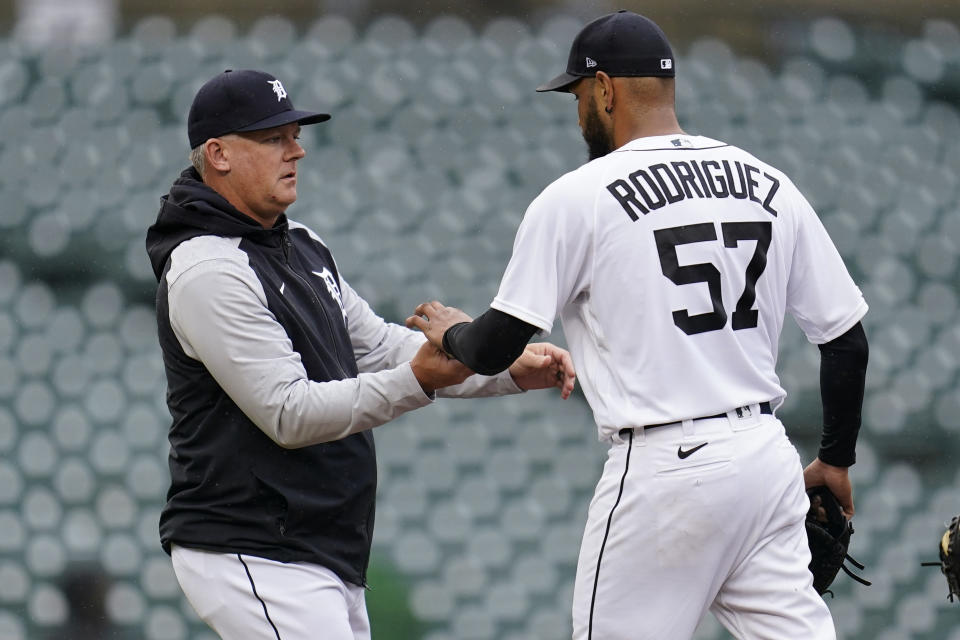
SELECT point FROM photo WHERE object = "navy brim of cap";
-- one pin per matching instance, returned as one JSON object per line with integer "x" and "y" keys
{"x": 286, "y": 117}
{"x": 561, "y": 83}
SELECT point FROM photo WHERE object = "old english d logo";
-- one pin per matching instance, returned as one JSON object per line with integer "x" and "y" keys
{"x": 332, "y": 288}
{"x": 278, "y": 89}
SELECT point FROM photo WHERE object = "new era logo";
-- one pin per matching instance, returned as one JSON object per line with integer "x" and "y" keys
{"x": 666, "y": 63}
{"x": 591, "y": 62}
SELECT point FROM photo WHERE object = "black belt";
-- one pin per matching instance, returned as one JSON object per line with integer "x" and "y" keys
{"x": 744, "y": 411}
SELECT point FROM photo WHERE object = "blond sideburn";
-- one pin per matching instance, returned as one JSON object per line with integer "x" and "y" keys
{"x": 198, "y": 159}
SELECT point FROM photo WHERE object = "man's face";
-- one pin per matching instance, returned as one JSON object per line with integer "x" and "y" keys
{"x": 596, "y": 134}
{"x": 263, "y": 170}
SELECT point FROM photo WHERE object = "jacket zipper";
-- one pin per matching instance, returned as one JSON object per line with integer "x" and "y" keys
{"x": 287, "y": 245}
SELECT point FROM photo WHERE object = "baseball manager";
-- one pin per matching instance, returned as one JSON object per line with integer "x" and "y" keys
{"x": 276, "y": 372}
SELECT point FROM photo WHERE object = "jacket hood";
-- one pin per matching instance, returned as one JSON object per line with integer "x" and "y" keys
{"x": 193, "y": 209}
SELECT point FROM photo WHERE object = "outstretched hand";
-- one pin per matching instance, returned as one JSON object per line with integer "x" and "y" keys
{"x": 836, "y": 479}
{"x": 435, "y": 370}
{"x": 542, "y": 366}
{"x": 433, "y": 318}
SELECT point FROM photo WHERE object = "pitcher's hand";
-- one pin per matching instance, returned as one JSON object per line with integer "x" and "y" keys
{"x": 837, "y": 479}
{"x": 433, "y": 318}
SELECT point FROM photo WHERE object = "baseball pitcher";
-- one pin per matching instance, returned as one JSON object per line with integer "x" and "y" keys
{"x": 671, "y": 260}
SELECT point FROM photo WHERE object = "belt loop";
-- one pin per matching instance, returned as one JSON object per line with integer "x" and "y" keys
{"x": 687, "y": 427}
{"x": 629, "y": 437}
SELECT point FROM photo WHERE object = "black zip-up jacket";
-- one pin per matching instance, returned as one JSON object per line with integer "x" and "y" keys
{"x": 276, "y": 371}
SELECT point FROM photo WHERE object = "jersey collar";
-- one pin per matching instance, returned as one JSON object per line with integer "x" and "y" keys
{"x": 673, "y": 141}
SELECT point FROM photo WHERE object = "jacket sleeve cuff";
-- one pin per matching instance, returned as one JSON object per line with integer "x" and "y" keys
{"x": 410, "y": 389}
{"x": 479, "y": 386}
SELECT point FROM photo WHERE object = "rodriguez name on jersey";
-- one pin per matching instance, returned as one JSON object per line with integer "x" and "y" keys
{"x": 658, "y": 185}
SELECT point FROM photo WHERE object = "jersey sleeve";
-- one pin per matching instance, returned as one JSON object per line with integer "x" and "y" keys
{"x": 551, "y": 258}
{"x": 821, "y": 295}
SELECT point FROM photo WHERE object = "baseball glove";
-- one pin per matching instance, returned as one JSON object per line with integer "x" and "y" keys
{"x": 949, "y": 561}
{"x": 828, "y": 532}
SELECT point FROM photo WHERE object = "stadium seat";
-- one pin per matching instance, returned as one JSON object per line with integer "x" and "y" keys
{"x": 432, "y": 603}
{"x": 465, "y": 577}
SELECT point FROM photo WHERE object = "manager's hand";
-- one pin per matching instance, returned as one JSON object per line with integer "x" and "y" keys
{"x": 433, "y": 318}
{"x": 435, "y": 370}
{"x": 542, "y": 366}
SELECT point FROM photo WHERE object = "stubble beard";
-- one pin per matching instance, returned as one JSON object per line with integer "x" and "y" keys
{"x": 599, "y": 141}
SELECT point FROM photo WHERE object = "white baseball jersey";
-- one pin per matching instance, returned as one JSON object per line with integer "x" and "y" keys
{"x": 671, "y": 262}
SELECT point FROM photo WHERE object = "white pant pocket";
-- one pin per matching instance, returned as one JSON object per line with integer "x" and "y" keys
{"x": 690, "y": 507}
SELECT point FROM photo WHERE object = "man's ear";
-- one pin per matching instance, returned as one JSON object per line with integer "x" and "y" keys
{"x": 604, "y": 91}
{"x": 217, "y": 155}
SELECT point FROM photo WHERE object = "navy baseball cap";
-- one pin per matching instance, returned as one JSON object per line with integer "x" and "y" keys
{"x": 619, "y": 44}
{"x": 244, "y": 100}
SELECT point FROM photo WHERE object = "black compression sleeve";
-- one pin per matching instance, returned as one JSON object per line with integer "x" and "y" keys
{"x": 843, "y": 371}
{"x": 490, "y": 343}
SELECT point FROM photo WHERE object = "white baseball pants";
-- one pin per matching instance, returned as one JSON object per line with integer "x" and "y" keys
{"x": 673, "y": 531}
{"x": 244, "y": 597}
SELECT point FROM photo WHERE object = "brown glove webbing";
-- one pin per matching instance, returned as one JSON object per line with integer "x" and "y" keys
{"x": 949, "y": 558}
